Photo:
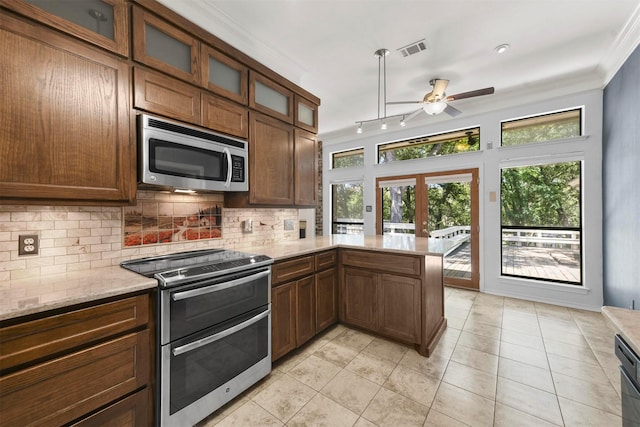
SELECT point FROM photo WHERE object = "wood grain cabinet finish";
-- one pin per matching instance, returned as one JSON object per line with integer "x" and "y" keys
{"x": 68, "y": 387}
{"x": 326, "y": 259}
{"x": 290, "y": 269}
{"x": 271, "y": 161}
{"x": 165, "y": 47}
{"x": 270, "y": 98}
{"x": 305, "y": 310}
{"x": 112, "y": 34}
{"x": 225, "y": 116}
{"x": 306, "y": 168}
{"x": 225, "y": 76}
{"x": 283, "y": 320}
{"x": 326, "y": 298}
{"x": 359, "y": 304}
{"x": 93, "y": 361}
{"x": 66, "y": 115}
{"x": 157, "y": 93}
{"x": 399, "y": 307}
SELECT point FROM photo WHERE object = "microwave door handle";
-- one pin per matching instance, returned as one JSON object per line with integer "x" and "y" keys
{"x": 216, "y": 337}
{"x": 229, "y": 167}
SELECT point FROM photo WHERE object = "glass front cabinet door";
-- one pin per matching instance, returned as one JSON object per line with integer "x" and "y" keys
{"x": 103, "y": 23}
{"x": 224, "y": 76}
{"x": 164, "y": 47}
{"x": 270, "y": 98}
{"x": 306, "y": 114}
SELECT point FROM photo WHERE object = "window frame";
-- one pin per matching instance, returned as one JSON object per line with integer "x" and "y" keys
{"x": 333, "y": 221}
{"x": 344, "y": 153}
{"x": 581, "y": 125}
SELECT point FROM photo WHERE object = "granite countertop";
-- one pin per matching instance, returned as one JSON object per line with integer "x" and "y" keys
{"x": 28, "y": 296}
{"x": 627, "y": 323}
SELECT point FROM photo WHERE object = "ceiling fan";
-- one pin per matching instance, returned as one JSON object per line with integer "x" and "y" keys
{"x": 436, "y": 101}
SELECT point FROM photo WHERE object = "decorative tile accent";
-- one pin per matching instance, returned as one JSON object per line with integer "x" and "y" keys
{"x": 74, "y": 238}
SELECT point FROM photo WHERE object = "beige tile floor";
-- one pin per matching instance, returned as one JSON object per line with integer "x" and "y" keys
{"x": 501, "y": 362}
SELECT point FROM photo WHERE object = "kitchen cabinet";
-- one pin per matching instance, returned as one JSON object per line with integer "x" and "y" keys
{"x": 326, "y": 278}
{"x": 306, "y": 168}
{"x": 66, "y": 119}
{"x": 270, "y": 98}
{"x": 77, "y": 361}
{"x": 306, "y": 114}
{"x": 224, "y": 76}
{"x": 303, "y": 300}
{"x": 103, "y": 23}
{"x": 165, "y": 47}
{"x": 399, "y": 296}
{"x": 225, "y": 116}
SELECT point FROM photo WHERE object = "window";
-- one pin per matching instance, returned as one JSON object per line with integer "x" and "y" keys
{"x": 443, "y": 144}
{"x": 398, "y": 200}
{"x": 347, "y": 159}
{"x": 347, "y": 208}
{"x": 546, "y": 127}
{"x": 541, "y": 222}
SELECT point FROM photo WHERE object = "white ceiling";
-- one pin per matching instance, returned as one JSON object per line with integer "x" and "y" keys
{"x": 326, "y": 46}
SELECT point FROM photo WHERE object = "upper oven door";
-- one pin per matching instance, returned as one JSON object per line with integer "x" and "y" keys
{"x": 187, "y": 309}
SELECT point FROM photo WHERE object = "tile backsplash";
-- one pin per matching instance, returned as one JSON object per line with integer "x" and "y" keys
{"x": 85, "y": 237}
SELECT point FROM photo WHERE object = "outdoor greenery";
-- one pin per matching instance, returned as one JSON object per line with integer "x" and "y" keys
{"x": 428, "y": 149}
{"x": 449, "y": 205}
{"x": 548, "y": 131}
{"x": 541, "y": 195}
{"x": 347, "y": 202}
{"x": 344, "y": 160}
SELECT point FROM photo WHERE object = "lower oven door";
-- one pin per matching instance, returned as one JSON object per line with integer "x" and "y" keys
{"x": 204, "y": 371}
{"x": 630, "y": 400}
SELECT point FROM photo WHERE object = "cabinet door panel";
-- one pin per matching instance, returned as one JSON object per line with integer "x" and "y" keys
{"x": 163, "y": 95}
{"x": 326, "y": 299}
{"x": 270, "y": 161}
{"x": 306, "y": 114}
{"x": 225, "y": 116}
{"x": 306, "y": 168}
{"x": 68, "y": 106}
{"x": 360, "y": 297}
{"x": 224, "y": 76}
{"x": 289, "y": 269}
{"x": 326, "y": 259}
{"x": 283, "y": 321}
{"x": 305, "y": 310}
{"x": 270, "y": 98}
{"x": 131, "y": 411}
{"x": 399, "y": 307}
{"x": 73, "y": 385}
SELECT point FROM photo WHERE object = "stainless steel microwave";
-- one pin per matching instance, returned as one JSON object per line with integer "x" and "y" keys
{"x": 178, "y": 156}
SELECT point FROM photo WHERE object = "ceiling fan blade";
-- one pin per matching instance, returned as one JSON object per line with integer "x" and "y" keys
{"x": 452, "y": 111}
{"x": 439, "y": 86}
{"x": 412, "y": 115}
{"x": 405, "y": 102}
{"x": 463, "y": 95}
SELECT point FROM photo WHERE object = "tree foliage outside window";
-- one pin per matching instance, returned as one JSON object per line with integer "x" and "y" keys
{"x": 547, "y": 127}
{"x": 399, "y": 205}
{"x": 347, "y": 159}
{"x": 449, "y": 205}
{"x": 430, "y": 146}
{"x": 347, "y": 208}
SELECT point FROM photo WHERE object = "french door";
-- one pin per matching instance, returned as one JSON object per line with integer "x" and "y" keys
{"x": 442, "y": 207}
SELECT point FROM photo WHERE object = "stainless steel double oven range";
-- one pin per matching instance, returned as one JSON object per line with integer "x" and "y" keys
{"x": 213, "y": 329}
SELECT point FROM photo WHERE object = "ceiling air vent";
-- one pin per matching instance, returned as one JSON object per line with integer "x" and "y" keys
{"x": 413, "y": 48}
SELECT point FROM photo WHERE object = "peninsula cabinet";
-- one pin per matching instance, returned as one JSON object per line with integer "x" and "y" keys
{"x": 326, "y": 277}
{"x": 65, "y": 134}
{"x": 103, "y": 23}
{"x": 399, "y": 296}
{"x": 83, "y": 365}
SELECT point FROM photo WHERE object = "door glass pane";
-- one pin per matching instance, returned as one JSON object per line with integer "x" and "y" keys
{"x": 271, "y": 98}
{"x": 167, "y": 49}
{"x": 449, "y": 224}
{"x": 94, "y": 15}
{"x": 347, "y": 208}
{"x": 399, "y": 209}
{"x": 220, "y": 74}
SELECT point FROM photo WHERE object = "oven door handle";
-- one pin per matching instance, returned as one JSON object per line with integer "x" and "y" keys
{"x": 229, "y": 167}
{"x": 202, "y": 291}
{"x": 213, "y": 338}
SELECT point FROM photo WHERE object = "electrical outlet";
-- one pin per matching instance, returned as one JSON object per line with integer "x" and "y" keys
{"x": 28, "y": 244}
{"x": 288, "y": 224}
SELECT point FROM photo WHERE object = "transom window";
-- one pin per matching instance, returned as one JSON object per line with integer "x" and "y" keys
{"x": 460, "y": 141}
{"x": 544, "y": 127}
{"x": 347, "y": 159}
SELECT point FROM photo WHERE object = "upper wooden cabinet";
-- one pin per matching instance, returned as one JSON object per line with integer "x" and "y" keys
{"x": 165, "y": 47}
{"x": 225, "y": 116}
{"x": 270, "y": 98}
{"x": 306, "y": 168}
{"x": 306, "y": 114}
{"x": 224, "y": 76}
{"x": 104, "y": 23}
{"x": 65, "y": 114}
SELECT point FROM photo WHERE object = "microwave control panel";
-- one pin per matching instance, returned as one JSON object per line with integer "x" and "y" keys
{"x": 237, "y": 169}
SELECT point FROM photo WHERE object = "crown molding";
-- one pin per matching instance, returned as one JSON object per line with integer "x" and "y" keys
{"x": 623, "y": 46}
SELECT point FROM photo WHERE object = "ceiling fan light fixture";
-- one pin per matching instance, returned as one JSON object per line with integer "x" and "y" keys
{"x": 433, "y": 108}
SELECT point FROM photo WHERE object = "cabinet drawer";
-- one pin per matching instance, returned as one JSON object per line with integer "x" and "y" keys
{"x": 41, "y": 338}
{"x": 68, "y": 387}
{"x": 131, "y": 411}
{"x": 386, "y": 262}
{"x": 326, "y": 260}
{"x": 163, "y": 95}
{"x": 287, "y": 270}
